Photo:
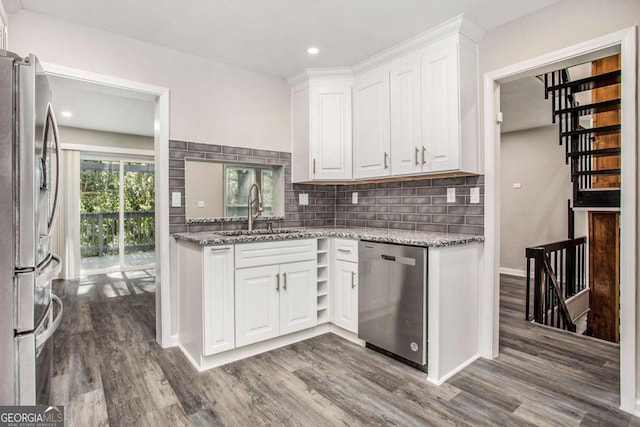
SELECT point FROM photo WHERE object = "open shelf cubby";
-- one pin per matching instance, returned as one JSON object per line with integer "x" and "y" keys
{"x": 323, "y": 280}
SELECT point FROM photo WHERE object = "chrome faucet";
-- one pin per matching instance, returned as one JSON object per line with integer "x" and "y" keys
{"x": 250, "y": 203}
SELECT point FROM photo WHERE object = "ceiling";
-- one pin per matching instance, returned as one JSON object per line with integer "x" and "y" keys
{"x": 523, "y": 104}
{"x": 272, "y": 36}
{"x": 103, "y": 108}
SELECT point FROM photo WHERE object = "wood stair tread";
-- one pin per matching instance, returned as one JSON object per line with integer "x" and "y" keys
{"x": 589, "y": 83}
{"x": 597, "y": 107}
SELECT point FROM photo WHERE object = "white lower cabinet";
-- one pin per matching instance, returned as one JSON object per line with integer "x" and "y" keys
{"x": 257, "y": 304}
{"x": 275, "y": 300}
{"x": 218, "y": 300}
{"x": 345, "y": 291}
{"x": 298, "y": 301}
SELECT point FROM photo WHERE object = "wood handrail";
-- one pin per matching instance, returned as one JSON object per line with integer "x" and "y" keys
{"x": 563, "y": 305}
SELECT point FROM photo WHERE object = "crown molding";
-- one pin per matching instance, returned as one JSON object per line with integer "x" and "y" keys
{"x": 456, "y": 25}
{"x": 302, "y": 78}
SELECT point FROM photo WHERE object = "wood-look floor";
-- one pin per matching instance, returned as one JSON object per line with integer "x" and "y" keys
{"x": 110, "y": 371}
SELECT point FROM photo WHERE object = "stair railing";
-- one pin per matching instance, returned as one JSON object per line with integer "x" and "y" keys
{"x": 559, "y": 272}
{"x": 578, "y": 141}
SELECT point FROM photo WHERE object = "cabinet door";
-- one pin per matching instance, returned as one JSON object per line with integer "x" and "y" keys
{"x": 406, "y": 128}
{"x": 372, "y": 141}
{"x": 345, "y": 290}
{"x": 440, "y": 106}
{"x": 330, "y": 132}
{"x": 257, "y": 304}
{"x": 298, "y": 300}
{"x": 218, "y": 306}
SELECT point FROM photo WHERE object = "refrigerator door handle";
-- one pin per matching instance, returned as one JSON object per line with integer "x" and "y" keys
{"x": 51, "y": 121}
{"x": 41, "y": 338}
{"x": 51, "y": 272}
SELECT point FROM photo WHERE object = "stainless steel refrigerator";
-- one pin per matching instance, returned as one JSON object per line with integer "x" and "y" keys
{"x": 29, "y": 187}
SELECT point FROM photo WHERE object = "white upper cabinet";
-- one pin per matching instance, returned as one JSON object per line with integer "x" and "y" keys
{"x": 330, "y": 132}
{"x": 371, "y": 118}
{"x": 440, "y": 109}
{"x": 415, "y": 111}
{"x": 450, "y": 106}
{"x": 321, "y": 128}
{"x": 407, "y": 153}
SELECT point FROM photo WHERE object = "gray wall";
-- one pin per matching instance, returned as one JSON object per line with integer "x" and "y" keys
{"x": 408, "y": 205}
{"x": 536, "y": 213}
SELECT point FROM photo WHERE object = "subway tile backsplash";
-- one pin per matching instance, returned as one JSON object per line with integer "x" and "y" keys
{"x": 419, "y": 205}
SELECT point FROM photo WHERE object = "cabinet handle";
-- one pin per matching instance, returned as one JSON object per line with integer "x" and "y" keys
{"x": 219, "y": 249}
{"x": 424, "y": 156}
{"x": 346, "y": 251}
{"x": 353, "y": 279}
{"x": 386, "y": 160}
{"x": 278, "y": 282}
{"x": 314, "y": 166}
{"x": 284, "y": 281}
{"x": 417, "y": 153}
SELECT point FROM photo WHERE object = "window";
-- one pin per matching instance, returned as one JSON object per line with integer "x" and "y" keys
{"x": 238, "y": 181}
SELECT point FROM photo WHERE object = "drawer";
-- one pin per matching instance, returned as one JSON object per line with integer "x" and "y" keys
{"x": 345, "y": 250}
{"x": 279, "y": 252}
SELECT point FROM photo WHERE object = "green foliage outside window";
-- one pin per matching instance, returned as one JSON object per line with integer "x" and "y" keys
{"x": 100, "y": 202}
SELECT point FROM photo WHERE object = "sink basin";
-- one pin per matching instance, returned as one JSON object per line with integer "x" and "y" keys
{"x": 258, "y": 232}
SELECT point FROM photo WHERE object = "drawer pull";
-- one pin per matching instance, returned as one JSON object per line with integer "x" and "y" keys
{"x": 345, "y": 251}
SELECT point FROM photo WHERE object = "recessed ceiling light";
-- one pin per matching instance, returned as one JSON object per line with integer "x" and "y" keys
{"x": 66, "y": 114}
{"x": 313, "y": 50}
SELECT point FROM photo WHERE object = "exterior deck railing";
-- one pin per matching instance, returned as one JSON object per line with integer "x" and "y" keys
{"x": 99, "y": 232}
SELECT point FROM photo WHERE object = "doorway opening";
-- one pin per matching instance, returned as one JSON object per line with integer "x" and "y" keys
{"x": 117, "y": 214}
{"x": 623, "y": 42}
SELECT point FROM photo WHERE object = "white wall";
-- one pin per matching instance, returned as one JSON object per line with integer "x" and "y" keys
{"x": 562, "y": 25}
{"x": 210, "y": 102}
{"x": 536, "y": 213}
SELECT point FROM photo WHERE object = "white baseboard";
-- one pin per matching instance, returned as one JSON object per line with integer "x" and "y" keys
{"x": 347, "y": 335}
{"x": 513, "y": 272}
{"x": 215, "y": 360}
{"x": 174, "y": 340}
{"x": 451, "y": 373}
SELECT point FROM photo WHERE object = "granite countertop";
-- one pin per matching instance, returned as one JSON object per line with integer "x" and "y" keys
{"x": 383, "y": 235}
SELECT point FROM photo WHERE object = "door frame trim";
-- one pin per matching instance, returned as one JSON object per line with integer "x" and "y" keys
{"x": 161, "y": 160}
{"x": 624, "y": 42}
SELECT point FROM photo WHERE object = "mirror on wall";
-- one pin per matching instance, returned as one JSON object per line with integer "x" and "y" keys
{"x": 216, "y": 190}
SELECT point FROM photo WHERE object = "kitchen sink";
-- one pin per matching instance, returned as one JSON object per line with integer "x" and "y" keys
{"x": 258, "y": 232}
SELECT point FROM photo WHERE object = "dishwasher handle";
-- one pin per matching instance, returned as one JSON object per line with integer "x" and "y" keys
{"x": 399, "y": 259}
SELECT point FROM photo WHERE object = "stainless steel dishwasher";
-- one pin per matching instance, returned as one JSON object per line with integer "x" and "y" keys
{"x": 392, "y": 300}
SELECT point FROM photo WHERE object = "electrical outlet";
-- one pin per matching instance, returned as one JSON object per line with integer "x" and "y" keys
{"x": 176, "y": 199}
{"x": 475, "y": 195}
{"x": 201, "y": 203}
{"x": 517, "y": 185}
{"x": 303, "y": 198}
{"x": 451, "y": 195}
{"x": 354, "y": 198}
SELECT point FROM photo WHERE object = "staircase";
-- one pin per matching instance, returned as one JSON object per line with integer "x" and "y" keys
{"x": 560, "y": 291}
{"x": 592, "y": 147}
